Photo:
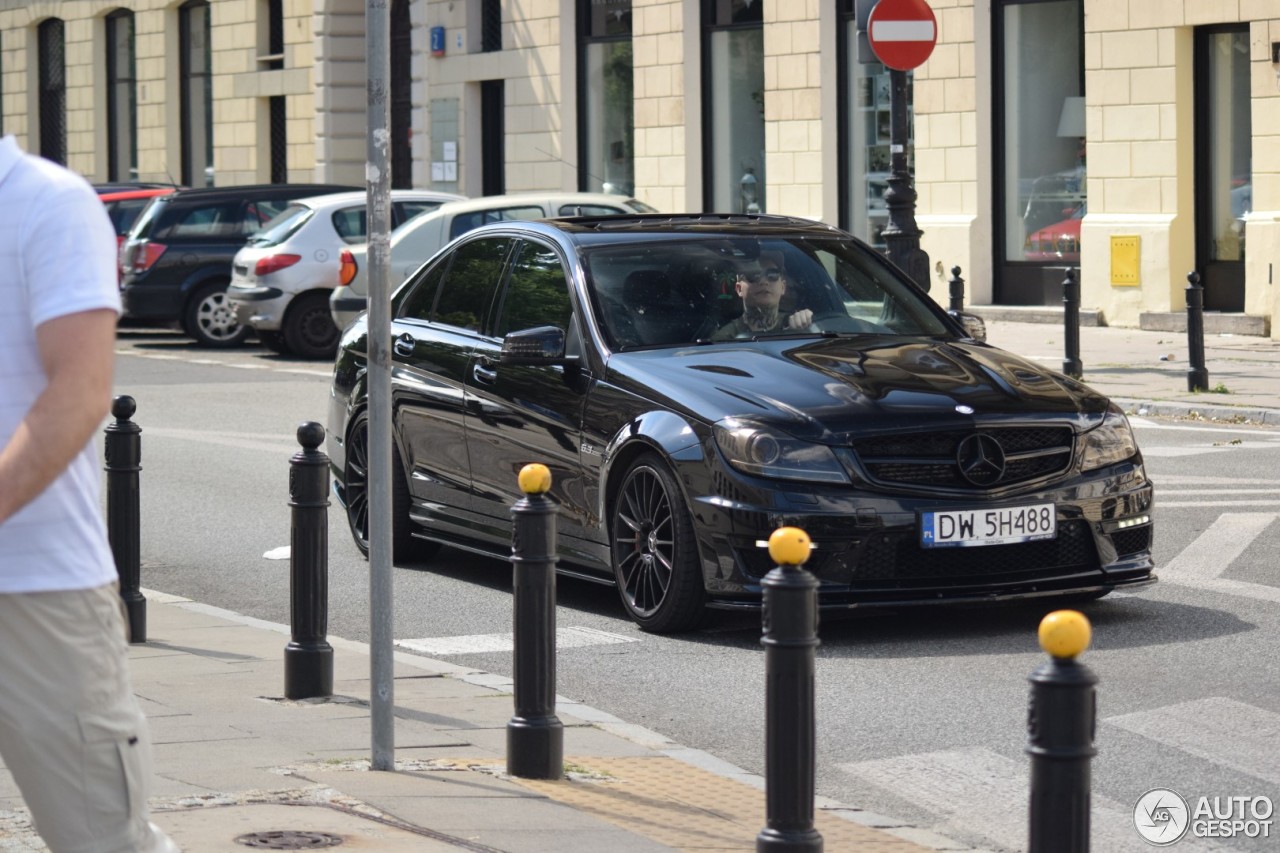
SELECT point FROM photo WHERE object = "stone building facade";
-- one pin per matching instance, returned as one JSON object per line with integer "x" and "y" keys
{"x": 1134, "y": 140}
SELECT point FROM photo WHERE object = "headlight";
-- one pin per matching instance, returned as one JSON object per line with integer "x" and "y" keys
{"x": 1110, "y": 442}
{"x": 767, "y": 452}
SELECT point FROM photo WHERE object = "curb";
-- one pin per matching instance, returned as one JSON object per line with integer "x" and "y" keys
{"x": 1225, "y": 414}
{"x": 603, "y": 720}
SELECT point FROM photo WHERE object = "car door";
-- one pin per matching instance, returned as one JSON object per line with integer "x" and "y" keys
{"x": 435, "y": 329}
{"x": 517, "y": 414}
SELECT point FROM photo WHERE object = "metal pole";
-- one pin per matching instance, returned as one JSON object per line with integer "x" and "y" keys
{"x": 1061, "y": 722}
{"x": 535, "y": 736}
{"x": 1071, "y": 365}
{"x": 790, "y": 641}
{"x": 1197, "y": 374}
{"x": 308, "y": 658}
{"x": 957, "y": 291}
{"x": 123, "y": 446}
{"x": 378, "y": 176}
{"x": 901, "y": 235}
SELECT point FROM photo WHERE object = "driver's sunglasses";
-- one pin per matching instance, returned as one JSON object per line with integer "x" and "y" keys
{"x": 773, "y": 276}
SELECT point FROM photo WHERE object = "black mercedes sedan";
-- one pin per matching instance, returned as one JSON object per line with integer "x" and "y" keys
{"x": 694, "y": 382}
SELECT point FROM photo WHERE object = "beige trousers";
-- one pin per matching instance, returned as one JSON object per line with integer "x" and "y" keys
{"x": 71, "y": 731}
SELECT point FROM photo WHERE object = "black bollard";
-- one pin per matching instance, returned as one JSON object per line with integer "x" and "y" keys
{"x": 957, "y": 291}
{"x": 1071, "y": 323}
{"x": 535, "y": 736}
{"x": 308, "y": 658}
{"x": 123, "y": 444}
{"x": 790, "y": 641}
{"x": 1061, "y": 722}
{"x": 1197, "y": 373}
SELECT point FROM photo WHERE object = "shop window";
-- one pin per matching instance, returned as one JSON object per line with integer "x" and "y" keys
{"x": 864, "y": 128}
{"x": 733, "y": 96}
{"x": 606, "y": 141}
{"x": 195, "y": 67}
{"x": 53, "y": 90}
{"x": 122, "y": 101}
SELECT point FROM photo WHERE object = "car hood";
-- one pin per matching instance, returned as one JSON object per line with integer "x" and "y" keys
{"x": 826, "y": 390}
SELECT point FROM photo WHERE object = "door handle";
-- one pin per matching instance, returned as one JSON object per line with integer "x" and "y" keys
{"x": 403, "y": 345}
{"x": 484, "y": 374}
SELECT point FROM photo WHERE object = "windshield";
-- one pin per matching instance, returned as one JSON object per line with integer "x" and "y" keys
{"x": 282, "y": 226}
{"x": 720, "y": 288}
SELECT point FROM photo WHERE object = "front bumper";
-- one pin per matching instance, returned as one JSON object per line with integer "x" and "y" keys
{"x": 866, "y": 547}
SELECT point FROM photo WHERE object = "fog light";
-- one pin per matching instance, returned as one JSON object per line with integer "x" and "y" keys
{"x": 1133, "y": 522}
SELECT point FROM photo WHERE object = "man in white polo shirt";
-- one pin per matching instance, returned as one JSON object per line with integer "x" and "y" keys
{"x": 71, "y": 732}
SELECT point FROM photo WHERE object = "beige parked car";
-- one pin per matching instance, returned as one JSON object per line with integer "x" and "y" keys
{"x": 420, "y": 238}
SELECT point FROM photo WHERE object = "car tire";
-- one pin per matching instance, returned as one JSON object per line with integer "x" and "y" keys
{"x": 308, "y": 327}
{"x": 355, "y": 492}
{"x": 654, "y": 552}
{"x": 273, "y": 341}
{"x": 209, "y": 320}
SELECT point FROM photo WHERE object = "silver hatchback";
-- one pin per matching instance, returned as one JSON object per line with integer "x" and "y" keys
{"x": 281, "y": 279}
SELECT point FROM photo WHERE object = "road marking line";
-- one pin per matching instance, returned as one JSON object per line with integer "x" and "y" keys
{"x": 977, "y": 792}
{"x": 1225, "y": 491}
{"x": 1224, "y": 731}
{"x": 1217, "y": 548}
{"x": 566, "y": 638}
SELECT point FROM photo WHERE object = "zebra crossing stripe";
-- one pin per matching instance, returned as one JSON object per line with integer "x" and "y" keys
{"x": 977, "y": 793}
{"x": 566, "y": 638}
{"x": 1224, "y": 731}
{"x": 1214, "y": 550}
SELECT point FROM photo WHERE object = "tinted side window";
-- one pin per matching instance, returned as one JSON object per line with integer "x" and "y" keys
{"x": 473, "y": 279}
{"x": 537, "y": 293}
{"x": 464, "y": 222}
{"x": 207, "y": 221}
{"x": 403, "y": 211}
{"x": 350, "y": 223}
{"x": 421, "y": 295}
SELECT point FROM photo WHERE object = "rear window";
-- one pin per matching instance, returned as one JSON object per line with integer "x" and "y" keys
{"x": 144, "y": 224}
{"x": 283, "y": 226}
{"x": 464, "y": 222}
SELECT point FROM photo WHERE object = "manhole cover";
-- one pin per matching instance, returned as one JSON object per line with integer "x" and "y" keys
{"x": 289, "y": 839}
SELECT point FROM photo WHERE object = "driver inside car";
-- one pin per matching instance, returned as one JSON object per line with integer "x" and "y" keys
{"x": 761, "y": 285}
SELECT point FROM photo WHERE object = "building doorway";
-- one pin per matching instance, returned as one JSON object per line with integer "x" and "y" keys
{"x": 1223, "y": 152}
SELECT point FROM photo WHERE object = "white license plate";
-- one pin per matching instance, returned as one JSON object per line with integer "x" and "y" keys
{"x": 967, "y": 528}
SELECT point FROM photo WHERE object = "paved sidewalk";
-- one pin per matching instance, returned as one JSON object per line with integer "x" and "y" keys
{"x": 1146, "y": 372}
{"x": 232, "y": 757}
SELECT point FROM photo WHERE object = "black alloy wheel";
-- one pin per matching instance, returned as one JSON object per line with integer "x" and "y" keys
{"x": 655, "y": 560}
{"x": 308, "y": 328}
{"x": 355, "y": 493}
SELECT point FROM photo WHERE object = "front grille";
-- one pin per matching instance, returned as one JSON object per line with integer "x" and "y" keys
{"x": 1132, "y": 541}
{"x": 897, "y": 560}
{"x": 929, "y": 459}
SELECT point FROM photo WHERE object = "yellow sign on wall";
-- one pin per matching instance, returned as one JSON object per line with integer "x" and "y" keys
{"x": 1125, "y": 261}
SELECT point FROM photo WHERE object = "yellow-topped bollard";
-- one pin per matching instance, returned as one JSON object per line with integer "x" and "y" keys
{"x": 535, "y": 479}
{"x": 535, "y": 735}
{"x": 1065, "y": 633}
{"x": 789, "y": 546}
{"x": 1061, "y": 721}
{"x": 790, "y": 641}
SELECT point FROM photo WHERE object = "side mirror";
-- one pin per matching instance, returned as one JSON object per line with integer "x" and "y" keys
{"x": 539, "y": 345}
{"x": 974, "y": 326}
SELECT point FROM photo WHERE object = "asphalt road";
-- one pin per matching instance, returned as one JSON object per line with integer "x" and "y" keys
{"x": 921, "y": 715}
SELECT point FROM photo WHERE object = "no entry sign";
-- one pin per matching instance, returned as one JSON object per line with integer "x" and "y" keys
{"x": 902, "y": 33}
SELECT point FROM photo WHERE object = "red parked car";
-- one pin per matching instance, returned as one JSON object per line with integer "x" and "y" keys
{"x": 1057, "y": 242}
